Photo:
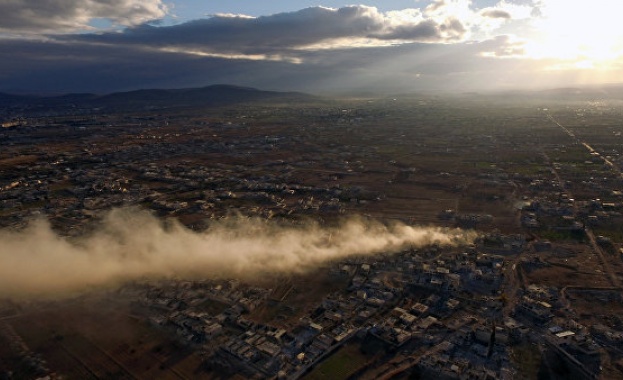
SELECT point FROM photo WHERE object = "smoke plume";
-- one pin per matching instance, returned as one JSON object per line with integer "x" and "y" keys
{"x": 131, "y": 244}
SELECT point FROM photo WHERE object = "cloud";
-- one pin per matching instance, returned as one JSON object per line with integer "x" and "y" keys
{"x": 428, "y": 31}
{"x": 87, "y": 67}
{"x": 495, "y": 13}
{"x": 450, "y": 45}
{"x": 436, "y": 5}
{"x": 518, "y": 9}
{"x": 130, "y": 245}
{"x": 469, "y": 22}
{"x": 287, "y": 33}
{"x": 458, "y": 9}
{"x": 62, "y": 16}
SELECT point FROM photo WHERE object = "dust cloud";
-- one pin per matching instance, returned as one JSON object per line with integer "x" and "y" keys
{"x": 133, "y": 244}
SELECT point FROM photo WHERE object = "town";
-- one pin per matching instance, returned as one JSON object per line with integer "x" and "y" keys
{"x": 537, "y": 294}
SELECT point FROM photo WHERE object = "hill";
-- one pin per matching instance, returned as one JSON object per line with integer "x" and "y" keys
{"x": 214, "y": 95}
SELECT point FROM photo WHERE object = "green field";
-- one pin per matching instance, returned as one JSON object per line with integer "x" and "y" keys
{"x": 342, "y": 364}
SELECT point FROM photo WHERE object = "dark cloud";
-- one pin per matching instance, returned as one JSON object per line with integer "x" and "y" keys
{"x": 428, "y": 31}
{"x": 279, "y": 33}
{"x": 425, "y": 31}
{"x": 242, "y": 34}
{"x": 57, "y": 16}
{"x": 54, "y": 66}
{"x": 315, "y": 49}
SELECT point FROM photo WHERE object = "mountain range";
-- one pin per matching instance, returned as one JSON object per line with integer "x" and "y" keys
{"x": 214, "y": 95}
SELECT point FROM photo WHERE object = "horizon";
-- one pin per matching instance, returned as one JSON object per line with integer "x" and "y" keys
{"x": 335, "y": 94}
{"x": 314, "y": 47}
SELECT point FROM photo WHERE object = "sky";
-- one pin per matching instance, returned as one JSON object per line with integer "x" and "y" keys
{"x": 392, "y": 46}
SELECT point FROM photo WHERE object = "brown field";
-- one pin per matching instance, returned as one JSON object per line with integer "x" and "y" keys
{"x": 561, "y": 277}
{"x": 17, "y": 160}
{"x": 295, "y": 297}
{"x": 594, "y": 306}
{"x": 103, "y": 341}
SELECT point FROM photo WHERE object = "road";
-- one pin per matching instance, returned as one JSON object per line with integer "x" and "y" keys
{"x": 614, "y": 280}
{"x": 586, "y": 145}
{"x": 512, "y": 286}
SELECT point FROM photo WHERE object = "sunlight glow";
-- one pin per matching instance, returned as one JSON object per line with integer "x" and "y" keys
{"x": 585, "y": 33}
{"x": 240, "y": 56}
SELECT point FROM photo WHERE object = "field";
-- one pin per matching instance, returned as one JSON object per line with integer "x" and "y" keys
{"x": 295, "y": 296}
{"x": 341, "y": 365}
{"x": 529, "y": 362}
{"x": 101, "y": 340}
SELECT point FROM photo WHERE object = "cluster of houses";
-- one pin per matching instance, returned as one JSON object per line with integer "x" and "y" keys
{"x": 411, "y": 301}
{"x": 441, "y": 308}
{"x": 73, "y": 185}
